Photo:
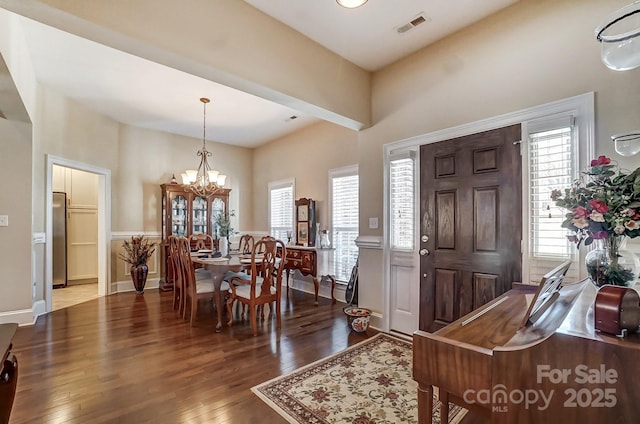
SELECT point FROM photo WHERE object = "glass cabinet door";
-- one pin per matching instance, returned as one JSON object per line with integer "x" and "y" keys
{"x": 217, "y": 208}
{"x": 199, "y": 215}
{"x": 179, "y": 216}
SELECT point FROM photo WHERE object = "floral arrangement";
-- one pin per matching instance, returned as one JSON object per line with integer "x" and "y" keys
{"x": 223, "y": 221}
{"x": 604, "y": 205}
{"x": 603, "y": 202}
{"x": 138, "y": 250}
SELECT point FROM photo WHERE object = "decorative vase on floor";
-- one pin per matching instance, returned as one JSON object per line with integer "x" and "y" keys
{"x": 139, "y": 277}
{"x": 611, "y": 263}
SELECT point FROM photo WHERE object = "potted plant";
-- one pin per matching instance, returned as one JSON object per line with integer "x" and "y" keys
{"x": 136, "y": 253}
{"x": 223, "y": 222}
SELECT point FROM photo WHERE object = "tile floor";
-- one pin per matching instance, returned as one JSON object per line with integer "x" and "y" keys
{"x": 73, "y": 294}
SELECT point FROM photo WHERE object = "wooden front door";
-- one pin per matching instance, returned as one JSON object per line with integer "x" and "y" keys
{"x": 470, "y": 225}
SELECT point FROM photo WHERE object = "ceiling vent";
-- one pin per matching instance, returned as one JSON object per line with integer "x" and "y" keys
{"x": 420, "y": 19}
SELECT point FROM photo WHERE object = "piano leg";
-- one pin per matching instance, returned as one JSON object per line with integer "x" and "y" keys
{"x": 444, "y": 406}
{"x": 425, "y": 404}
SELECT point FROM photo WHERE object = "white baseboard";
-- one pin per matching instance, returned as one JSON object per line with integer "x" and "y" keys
{"x": 20, "y": 317}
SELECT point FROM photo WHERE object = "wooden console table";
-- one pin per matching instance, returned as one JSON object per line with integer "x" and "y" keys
{"x": 305, "y": 260}
{"x": 8, "y": 373}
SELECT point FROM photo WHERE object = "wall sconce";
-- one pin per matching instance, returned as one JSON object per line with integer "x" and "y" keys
{"x": 627, "y": 144}
{"x": 618, "y": 36}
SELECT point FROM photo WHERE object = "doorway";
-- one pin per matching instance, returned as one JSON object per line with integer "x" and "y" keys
{"x": 101, "y": 216}
{"x": 401, "y": 267}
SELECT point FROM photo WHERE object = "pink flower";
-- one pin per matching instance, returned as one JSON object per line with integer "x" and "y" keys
{"x": 580, "y": 212}
{"x": 602, "y": 160}
{"x": 598, "y": 206}
{"x": 632, "y": 225}
{"x": 596, "y": 217}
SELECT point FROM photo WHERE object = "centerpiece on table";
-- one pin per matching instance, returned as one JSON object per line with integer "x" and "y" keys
{"x": 223, "y": 223}
{"x": 604, "y": 207}
{"x": 137, "y": 253}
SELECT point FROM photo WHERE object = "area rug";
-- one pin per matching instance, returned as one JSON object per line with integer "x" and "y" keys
{"x": 370, "y": 382}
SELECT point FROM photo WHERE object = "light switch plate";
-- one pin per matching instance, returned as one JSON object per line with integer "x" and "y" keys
{"x": 4, "y": 220}
{"x": 373, "y": 223}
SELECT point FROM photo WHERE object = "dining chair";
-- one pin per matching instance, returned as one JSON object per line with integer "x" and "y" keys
{"x": 265, "y": 284}
{"x": 201, "y": 242}
{"x": 198, "y": 284}
{"x": 176, "y": 273}
{"x": 246, "y": 243}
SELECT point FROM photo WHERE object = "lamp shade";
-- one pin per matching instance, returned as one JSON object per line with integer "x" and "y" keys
{"x": 192, "y": 175}
{"x": 221, "y": 180}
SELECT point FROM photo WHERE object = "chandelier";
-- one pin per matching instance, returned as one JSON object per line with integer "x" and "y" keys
{"x": 204, "y": 181}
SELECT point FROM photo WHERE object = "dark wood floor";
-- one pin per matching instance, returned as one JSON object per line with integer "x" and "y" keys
{"x": 130, "y": 359}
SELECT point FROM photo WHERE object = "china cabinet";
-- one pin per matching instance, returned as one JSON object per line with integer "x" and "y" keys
{"x": 184, "y": 214}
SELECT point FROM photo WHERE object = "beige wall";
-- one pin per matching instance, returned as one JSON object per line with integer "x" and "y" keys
{"x": 15, "y": 202}
{"x": 306, "y": 156}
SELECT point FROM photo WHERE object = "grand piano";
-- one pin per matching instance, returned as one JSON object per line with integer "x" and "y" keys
{"x": 556, "y": 369}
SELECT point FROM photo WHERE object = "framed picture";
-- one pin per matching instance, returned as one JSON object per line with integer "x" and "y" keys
{"x": 303, "y": 213}
{"x": 303, "y": 233}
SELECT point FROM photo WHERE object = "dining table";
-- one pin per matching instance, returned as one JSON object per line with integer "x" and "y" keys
{"x": 218, "y": 267}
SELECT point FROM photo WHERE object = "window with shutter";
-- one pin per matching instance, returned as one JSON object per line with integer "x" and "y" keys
{"x": 401, "y": 193}
{"x": 281, "y": 209}
{"x": 344, "y": 220}
{"x": 552, "y": 165}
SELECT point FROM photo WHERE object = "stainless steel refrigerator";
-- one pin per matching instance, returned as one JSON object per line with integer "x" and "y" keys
{"x": 59, "y": 239}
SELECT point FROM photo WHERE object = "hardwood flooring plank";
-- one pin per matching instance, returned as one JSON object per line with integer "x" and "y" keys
{"x": 130, "y": 359}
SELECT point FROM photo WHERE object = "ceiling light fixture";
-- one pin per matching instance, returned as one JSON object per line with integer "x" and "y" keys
{"x": 351, "y": 4}
{"x": 204, "y": 181}
{"x": 627, "y": 144}
{"x": 618, "y": 36}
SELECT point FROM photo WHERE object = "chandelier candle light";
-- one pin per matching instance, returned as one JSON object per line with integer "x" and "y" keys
{"x": 204, "y": 181}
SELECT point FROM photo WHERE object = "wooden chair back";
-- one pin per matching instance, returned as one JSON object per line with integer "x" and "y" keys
{"x": 246, "y": 244}
{"x": 176, "y": 273}
{"x": 201, "y": 242}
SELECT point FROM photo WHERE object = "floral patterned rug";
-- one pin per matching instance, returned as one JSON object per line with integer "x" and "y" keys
{"x": 368, "y": 383}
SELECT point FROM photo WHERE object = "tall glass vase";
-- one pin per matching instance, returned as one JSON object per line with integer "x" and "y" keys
{"x": 611, "y": 263}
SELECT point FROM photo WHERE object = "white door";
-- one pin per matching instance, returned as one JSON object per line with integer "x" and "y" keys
{"x": 404, "y": 264}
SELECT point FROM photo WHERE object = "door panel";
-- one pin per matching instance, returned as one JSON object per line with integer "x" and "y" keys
{"x": 470, "y": 209}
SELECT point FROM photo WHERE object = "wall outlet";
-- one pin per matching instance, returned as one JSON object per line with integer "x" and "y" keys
{"x": 373, "y": 223}
{"x": 4, "y": 220}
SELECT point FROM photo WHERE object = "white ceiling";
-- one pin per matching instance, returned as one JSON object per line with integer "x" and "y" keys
{"x": 138, "y": 92}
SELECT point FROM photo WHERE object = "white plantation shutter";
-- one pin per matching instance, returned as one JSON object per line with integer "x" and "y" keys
{"x": 552, "y": 165}
{"x": 280, "y": 210}
{"x": 401, "y": 175}
{"x": 344, "y": 220}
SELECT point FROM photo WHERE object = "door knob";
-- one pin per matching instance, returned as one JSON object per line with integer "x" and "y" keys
{"x": 424, "y": 252}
